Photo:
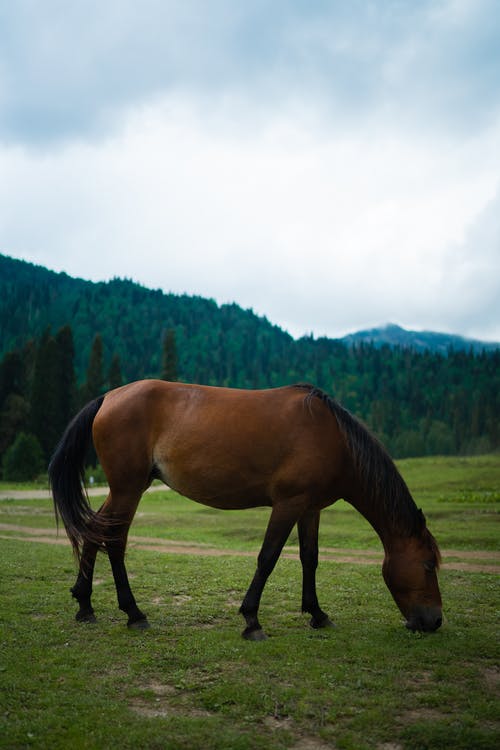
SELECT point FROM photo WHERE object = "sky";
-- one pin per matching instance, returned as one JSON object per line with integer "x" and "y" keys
{"x": 332, "y": 165}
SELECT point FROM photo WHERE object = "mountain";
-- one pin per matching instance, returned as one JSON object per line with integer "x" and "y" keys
{"x": 394, "y": 335}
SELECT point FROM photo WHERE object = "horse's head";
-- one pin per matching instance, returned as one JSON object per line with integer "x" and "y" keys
{"x": 410, "y": 572}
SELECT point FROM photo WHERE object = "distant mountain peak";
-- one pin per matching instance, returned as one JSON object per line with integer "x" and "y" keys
{"x": 392, "y": 334}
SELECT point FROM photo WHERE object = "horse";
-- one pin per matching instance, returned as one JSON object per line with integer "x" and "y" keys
{"x": 293, "y": 448}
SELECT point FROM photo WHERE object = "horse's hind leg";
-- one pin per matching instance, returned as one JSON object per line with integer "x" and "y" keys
{"x": 82, "y": 590}
{"x": 308, "y": 526}
{"x": 126, "y": 600}
{"x": 119, "y": 510}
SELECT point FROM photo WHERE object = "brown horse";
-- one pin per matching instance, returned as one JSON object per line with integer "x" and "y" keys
{"x": 293, "y": 448}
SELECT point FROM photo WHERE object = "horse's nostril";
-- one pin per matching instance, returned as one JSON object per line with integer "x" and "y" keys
{"x": 425, "y": 624}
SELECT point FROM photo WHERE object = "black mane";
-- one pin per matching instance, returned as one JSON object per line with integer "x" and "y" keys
{"x": 380, "y": 479}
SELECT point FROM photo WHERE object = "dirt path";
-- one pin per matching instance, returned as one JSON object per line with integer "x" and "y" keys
{"x": 476, "y": 561}
{"x": 45, "y": 494}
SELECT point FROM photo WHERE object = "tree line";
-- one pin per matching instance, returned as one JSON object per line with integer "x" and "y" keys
{"x": 417, "y": 403}
{"x": 39, "y": 394}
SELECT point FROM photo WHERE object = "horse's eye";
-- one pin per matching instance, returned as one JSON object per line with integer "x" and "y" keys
{"x": 430, "y": 565}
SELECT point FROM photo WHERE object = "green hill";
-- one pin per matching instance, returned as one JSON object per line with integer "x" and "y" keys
{"x": 215, "y": 343}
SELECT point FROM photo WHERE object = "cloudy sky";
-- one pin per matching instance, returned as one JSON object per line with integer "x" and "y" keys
{"x": 333, "y": 165}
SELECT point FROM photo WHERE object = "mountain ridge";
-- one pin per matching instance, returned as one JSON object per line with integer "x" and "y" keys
{"x": 392, "y": 334}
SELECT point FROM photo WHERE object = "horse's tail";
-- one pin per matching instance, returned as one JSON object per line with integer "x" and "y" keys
{"x": 67, "y": 482}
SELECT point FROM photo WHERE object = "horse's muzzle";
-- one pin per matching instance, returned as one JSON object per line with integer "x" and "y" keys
{"x": 426, "y": 620}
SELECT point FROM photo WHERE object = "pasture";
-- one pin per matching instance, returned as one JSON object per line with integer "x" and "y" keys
{"x": 191, "y": 681}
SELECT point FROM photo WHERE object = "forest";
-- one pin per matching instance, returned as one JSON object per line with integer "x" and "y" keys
{"x": 64, "y": 341}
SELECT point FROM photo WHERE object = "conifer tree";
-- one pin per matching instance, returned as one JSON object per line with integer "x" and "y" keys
{"x": 46, "y": 419}
{"x": 94, "y": 385}
{"x": 115, "y": 378}
{"x": 170, "y": 360}
{"x": 66, "y": 375}
{"x": 14, "y": 418}
{"x": 12, "y": 375}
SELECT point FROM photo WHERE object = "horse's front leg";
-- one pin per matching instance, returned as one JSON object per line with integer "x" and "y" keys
{"x": 308, "y": 526}
{"x": 282, "y": 520}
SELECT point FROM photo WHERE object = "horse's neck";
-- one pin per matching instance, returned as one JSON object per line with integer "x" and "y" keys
{"x": 386, "y": 528}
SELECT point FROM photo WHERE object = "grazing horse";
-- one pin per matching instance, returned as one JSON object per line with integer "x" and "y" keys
{"x": 293, "y": 448}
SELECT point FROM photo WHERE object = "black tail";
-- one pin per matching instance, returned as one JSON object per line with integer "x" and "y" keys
{"x": 66, "y": 477}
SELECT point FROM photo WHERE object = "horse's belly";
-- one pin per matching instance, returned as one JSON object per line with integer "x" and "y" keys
{"x": 219, "y": 492}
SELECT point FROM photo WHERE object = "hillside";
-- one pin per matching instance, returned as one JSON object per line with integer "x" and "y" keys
{"x": 432, "y": 396}
{"x": 214, "y": 342}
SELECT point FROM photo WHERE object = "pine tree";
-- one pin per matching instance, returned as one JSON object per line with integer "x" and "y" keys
{"x": 14, "y": 418}
{"x": 12, "y": 375}
{"x": 66, "y": 375}
{"x": 46, "y": 420}
{"x": 94, "y": 385}
{"x": 14, "y": 407}
{"x": 170, "y": 360}
{"x": 115, "y": 378}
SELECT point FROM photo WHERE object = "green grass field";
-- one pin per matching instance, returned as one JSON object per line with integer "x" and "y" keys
{"x": 192, "y": 682}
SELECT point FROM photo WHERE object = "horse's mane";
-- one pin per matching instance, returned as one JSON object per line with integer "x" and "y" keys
{"x": 382, "y": 484}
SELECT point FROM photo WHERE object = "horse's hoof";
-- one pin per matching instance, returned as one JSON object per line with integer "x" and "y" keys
{"x": 325, "y": 622}
{"x": 254, "y": 635}
{"x": 85, "y": 617}
{"x": 139, "y": 624}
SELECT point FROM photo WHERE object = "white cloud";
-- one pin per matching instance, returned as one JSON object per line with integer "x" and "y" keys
{"x": 72, "y": 72}
{"x": 319, "y": 231}
{"x": 329, "y": 165}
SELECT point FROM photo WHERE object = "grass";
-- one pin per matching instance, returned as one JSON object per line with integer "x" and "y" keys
{"x": 191, "y": 681}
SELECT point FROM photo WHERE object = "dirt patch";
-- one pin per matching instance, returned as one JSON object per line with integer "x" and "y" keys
{"x": 180, "y": 599}
{"x": 160, "y": 688}
{"x": 421, "y": 714}
{"x": 166, "y": 701}
{"x": 491, "y": 559}
{"x": 421, "y": 678}
{"x": 161, "y": 709}
{"x": 491, "y": 676}
{"x": 312, "y": 743}
{"x": 276, "y": 722}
